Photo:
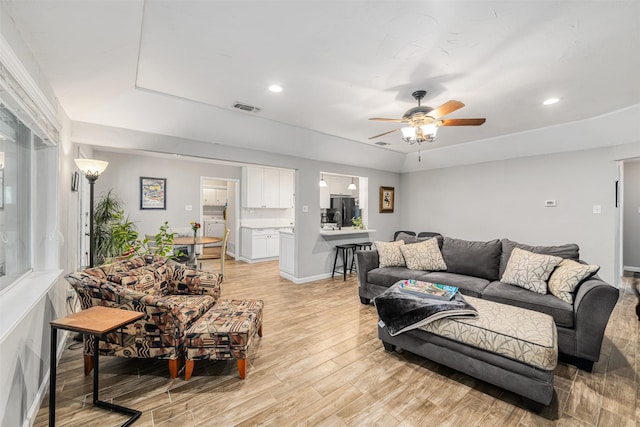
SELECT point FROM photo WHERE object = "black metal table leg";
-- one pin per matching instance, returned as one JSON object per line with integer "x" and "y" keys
{"x": 52, "y": 377}
{"x": 134, "y": 415}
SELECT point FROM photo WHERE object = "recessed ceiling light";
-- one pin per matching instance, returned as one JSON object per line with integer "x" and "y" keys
{"x": 551, "y": 101}
{"x": 275, "y": 88}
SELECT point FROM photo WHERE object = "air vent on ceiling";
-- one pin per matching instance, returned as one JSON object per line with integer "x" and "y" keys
{"x": 382, "y": 143}
{"x": 246, "y": 107}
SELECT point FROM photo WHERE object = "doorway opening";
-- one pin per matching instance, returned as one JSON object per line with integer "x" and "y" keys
{"x": 219, "y": 210}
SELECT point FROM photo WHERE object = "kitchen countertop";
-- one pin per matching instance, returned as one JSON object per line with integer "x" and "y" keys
{"x": 345, "y": 230}
{"x": 255, "y": 226}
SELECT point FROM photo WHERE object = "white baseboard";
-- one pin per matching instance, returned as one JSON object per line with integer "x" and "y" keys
{"x": 252, "y": 261}
{"x": 634, "y": 269}
{"x": 300, "y": 281}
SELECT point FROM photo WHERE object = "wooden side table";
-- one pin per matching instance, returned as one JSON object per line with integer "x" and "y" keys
{"x": 97, "y": 321}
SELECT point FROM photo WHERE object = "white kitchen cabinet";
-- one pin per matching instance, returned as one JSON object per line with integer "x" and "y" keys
{"x": 259, "y": 243}
{"x": 215, "y": 196}
{"x": 266, "y": 188}
{"x": 338, "y": 184}
{"x": 271, "y": 188}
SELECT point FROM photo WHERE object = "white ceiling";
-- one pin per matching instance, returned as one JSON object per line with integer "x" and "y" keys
{"x": 177, "y": 67}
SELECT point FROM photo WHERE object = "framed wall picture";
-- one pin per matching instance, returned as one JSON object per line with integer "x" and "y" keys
{"x": 386, "y": 199}
{"x": 153, "y": 193}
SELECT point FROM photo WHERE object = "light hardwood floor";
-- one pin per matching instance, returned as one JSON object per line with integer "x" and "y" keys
{"x": 320, "y": 362}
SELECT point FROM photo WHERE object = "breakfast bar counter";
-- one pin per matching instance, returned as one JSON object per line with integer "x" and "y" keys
{"x": 344, "y": 231}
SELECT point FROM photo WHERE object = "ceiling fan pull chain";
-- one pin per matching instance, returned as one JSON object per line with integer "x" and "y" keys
{"x": 419, "y": 155}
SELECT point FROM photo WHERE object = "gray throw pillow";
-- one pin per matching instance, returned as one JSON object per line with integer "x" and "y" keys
{"x": 409, "y": 239}
{"x": 477, "y": 259}
{"x": 568, "y": 251}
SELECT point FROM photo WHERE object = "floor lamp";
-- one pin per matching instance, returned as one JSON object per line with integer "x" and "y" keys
{"x": 92, "y": 170}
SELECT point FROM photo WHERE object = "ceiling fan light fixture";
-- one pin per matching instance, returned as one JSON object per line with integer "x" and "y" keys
{"x": 430, "y": 129}
{"x": 551, "y": 101}
{"x": 419, "y": 134}
{"x": 408, "y": 133}
{"x": 275, "y": 88}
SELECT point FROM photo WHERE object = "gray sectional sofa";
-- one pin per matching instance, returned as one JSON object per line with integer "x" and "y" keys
{"x": 476, "y": 268}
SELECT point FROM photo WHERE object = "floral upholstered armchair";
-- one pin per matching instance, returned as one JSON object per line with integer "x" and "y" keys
{"x": 171, "y": 296}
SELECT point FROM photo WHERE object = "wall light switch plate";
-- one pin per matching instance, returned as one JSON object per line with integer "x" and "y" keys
{"x": 188, "y": 208}
{"x": 597, "y": 209}
{"x": 550, "y": 203}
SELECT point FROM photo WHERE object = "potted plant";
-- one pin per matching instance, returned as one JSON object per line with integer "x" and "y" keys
{"x": 116, "y": 236}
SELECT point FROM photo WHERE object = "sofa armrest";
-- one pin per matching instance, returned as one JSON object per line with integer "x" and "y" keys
{"x": 193, "y": 282}
{"x": 594, "y": 301}
{"x": 365, "y": 262}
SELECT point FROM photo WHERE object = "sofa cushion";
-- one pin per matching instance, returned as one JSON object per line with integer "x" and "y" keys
{"x": 526, "y": 336}
{"x": 142, "y": 279}
{"x": 529, "y": 270}
{"x": 389, "y": 253}
{"x": 408, "y": 238}
{"x": 188, "y": 308}
{"x": 569, "y": 251}
{"x": 423, "y": 256}
{"x": 478, "y": 259}
{"x": 124, "y": 265}
{"x": 387, "y": 276}
{"x": 566, "y": 277}
{"x": 504, "y": 293}
{"x": 468, "y": 285}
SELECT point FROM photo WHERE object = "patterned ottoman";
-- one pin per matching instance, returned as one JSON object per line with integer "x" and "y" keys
{"x": 224, "y": 332}
{"x": 507, "y": 346}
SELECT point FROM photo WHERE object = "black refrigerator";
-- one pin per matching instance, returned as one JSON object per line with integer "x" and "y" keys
{"x": 343, "y": 208}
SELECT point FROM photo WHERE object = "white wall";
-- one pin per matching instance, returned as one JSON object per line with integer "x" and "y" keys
{"x": 183, "y": 186}
{"x": 29, "y": 306}
{"x": 314, "y": 253}
{"x": 631, "y": 220}
{"x": 505, "y": 199}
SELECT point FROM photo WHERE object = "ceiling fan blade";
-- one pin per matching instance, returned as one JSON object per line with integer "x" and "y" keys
{"x": 446, "y": 108}
{"x": 462, "y": 122}
{"x": 383, "y": 134}
{"x": 381, "y": 119}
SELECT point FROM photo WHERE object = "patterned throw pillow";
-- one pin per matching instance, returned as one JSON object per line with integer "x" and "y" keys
{"x": 567, "y": 276}
{"x": 390, "y": 254}
{"x": 529, "y": 270}
{"x": 423, "y": 256}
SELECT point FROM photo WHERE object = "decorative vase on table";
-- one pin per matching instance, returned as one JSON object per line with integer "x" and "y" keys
{"x": 195, "y": 226}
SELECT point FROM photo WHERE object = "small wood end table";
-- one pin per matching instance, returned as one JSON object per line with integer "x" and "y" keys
{"x": 97, "y": 321}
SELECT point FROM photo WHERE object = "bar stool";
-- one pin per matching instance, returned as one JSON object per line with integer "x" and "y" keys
{"x": 349, "y": 247}
{"x": 359, "y": 246}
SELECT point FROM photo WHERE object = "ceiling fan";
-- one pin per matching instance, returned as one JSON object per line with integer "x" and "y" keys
{"x": 423, "y": 122}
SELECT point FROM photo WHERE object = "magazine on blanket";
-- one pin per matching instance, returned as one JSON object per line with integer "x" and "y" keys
{"x": 428, "y": 289}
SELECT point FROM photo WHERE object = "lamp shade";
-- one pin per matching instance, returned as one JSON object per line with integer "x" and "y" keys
{"x": 91, "y": 167}
{"x": 408, "y": 132}
{"x": 429, "y": 130}
{"x": 322, "y": 183}
{"x": 352, "y": 186}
